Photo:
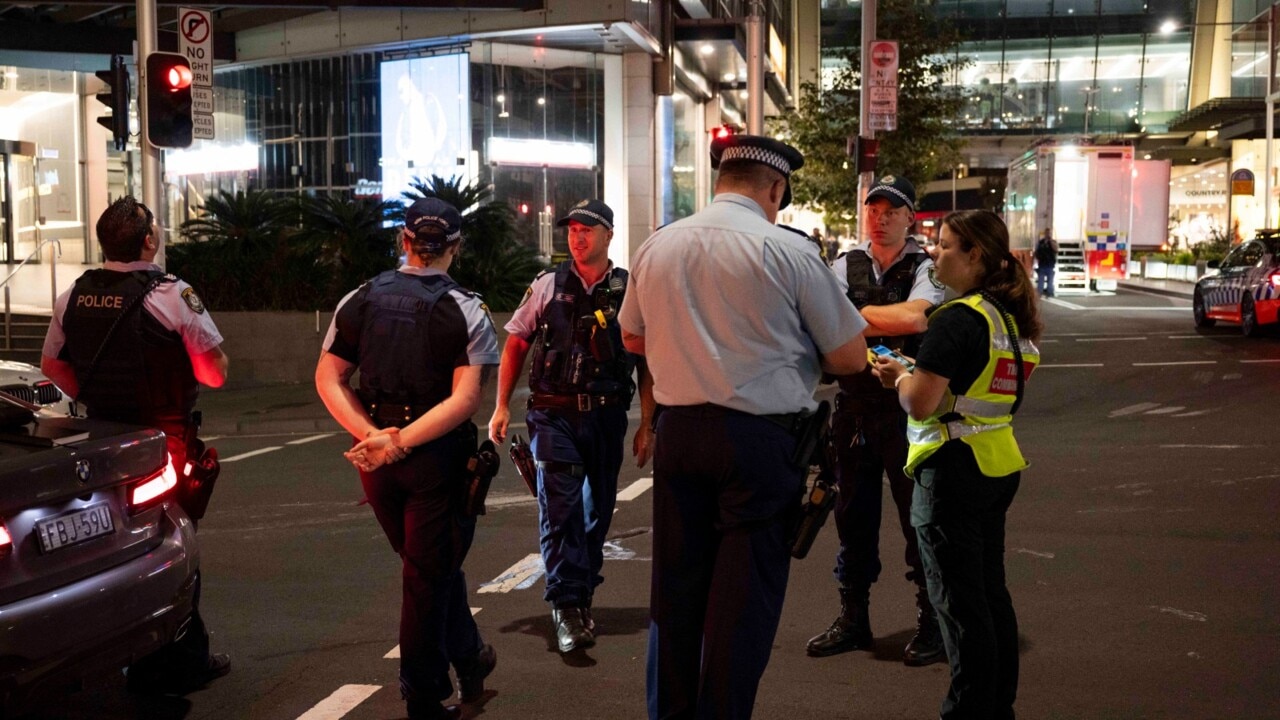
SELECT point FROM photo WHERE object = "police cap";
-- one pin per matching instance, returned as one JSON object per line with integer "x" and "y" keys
{"x": 896, "y": 189}
{"x": 589, "y": 212}
{"x": 432, "y": 214}
{"x": 760, "y": 149}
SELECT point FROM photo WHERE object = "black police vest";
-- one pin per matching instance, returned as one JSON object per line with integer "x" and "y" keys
{"x": 573, "y": 352}
{"x": 411, "y": 337}
{"x": 144, "y": 374}
{"x": 894, "y": 287}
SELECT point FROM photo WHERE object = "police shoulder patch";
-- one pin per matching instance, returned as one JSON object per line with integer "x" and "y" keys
{"x": 193, "y": 301}
{"x": 933, "y": 277}
{"x": 528, "y": 293}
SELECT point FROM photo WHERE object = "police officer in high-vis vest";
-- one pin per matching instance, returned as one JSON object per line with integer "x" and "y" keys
{"x": 133, "y": 345}
{"x": 424, "y": 347}
{"x": 888, "y": 278}
{"x": 581, "y": 387}
{"x": 969, "y": 379}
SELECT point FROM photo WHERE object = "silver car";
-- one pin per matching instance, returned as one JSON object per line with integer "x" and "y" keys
{"x": 97, "y": 561}
{"x": 26, "y": 382}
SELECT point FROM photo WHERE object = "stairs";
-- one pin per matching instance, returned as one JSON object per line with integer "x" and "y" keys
{"x": 26, "y": 338}
{"x": 1071, "y": 278}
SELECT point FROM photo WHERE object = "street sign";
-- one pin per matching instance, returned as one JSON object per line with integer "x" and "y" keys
{"x": 882, "y": 86}
{"x": 195, "y": 40}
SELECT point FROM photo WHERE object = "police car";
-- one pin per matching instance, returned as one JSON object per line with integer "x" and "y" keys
{"x": 1246, "y": 288}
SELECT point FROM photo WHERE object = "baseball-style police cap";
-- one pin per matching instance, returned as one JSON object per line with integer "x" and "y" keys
{"x": 432, "y": 213}
{"x": 589, "y": 212}
{"x": 897, "y": 190}
{"x": 760, "y": 149}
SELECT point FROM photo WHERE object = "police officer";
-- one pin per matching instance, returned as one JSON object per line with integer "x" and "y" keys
{"x": 133, "y": 345}
{"x": 424, "y": 347}
{"x": 581, "y": 388}
{"x": 889, "y": 279}
{"x": 737, "y": 319}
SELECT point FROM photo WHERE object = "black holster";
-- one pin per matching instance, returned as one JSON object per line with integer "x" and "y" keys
{"x": 522, "y": 458}
{"x": 198, "y": 473}
{"x": 813, "y": 448}
{"x": 481, "y": 468}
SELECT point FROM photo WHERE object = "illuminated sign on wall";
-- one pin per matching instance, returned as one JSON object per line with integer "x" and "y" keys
{"x": 537, "y": 152}
{"x": 211, "y": 158}
{"x": 426, "y": 120}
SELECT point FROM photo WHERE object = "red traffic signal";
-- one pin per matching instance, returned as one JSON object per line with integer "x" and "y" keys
{"x": 723, "y": 131}
{"x": 168, "y": 111}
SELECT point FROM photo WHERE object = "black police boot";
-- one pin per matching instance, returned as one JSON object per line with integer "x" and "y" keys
{"x": 571, "y": 633}
{"x": 926, "y": 647}
{"x": 471, "y": 675}
{"x": 850, "y": 631}
{"x": 429, "y": 710}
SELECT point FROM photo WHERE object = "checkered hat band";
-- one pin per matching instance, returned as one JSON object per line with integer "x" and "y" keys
{"x": 594, "y": 216}
{"x": 438, "y": 222}
{"x": 757, "y": 154}
{"x": 894, "y": 191}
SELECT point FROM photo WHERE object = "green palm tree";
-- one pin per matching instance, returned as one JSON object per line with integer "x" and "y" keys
{"x": 352, "y": 239}
{"x": 493, "y": 262}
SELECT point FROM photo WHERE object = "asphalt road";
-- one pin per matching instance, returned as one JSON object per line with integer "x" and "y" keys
{"x": 1142, "y": 557}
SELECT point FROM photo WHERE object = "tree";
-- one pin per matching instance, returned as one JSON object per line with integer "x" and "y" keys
{"x": 493, "y": 262}
{"x": 922, "y": 146}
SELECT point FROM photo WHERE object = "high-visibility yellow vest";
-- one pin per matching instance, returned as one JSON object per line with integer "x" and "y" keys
{"x": 985, "y": 409}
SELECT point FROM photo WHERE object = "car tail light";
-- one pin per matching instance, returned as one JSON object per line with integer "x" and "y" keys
{"x": 6, "y": 542}
{"x": 153, "y": 487}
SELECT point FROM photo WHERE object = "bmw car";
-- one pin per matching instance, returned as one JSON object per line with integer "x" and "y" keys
{"x": 25, "y": 382}
{"x": 1245, "y": 289}
{"x": 97, "y": 561}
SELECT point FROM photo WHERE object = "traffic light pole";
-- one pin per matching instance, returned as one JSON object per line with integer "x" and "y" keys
{"x": 755, "y": 68}
{"x": 865, "y": 179}
{"x": 151, "y": 187}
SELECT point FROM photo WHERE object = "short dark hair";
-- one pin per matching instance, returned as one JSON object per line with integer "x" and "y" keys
{"x": 123, "y": 228}
{"x": 748, "y": 174}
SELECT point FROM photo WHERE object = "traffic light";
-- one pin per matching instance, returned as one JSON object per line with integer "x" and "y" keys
{"x": 724, "y": 131}
{"x": 116, "y": 98}
{"x": 168, "y": 83}
{"x": 868, "y": 153}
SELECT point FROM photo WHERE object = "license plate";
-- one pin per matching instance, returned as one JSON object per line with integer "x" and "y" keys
{"x": 74, "y": 527}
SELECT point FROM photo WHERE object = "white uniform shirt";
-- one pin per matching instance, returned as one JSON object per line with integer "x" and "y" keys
{"x": 735, "y": 311}
{"x": 166, "y": 304}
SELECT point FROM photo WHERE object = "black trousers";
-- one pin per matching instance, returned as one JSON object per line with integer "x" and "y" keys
{"x": 418, "y": 502}
{"x": 725, "y": 497}
{"x": 959, "y": 514}
{"x": 871, "y": 443}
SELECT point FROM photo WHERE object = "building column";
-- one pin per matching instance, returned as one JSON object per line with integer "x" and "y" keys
{"x": 629, "y": 157}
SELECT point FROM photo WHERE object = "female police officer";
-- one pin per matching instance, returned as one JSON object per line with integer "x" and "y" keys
{"x": 423, "y": 346}
{"x": 968, "y": 381}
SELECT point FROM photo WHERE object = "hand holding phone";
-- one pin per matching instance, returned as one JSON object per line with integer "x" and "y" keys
{"x": 880, "y": 351}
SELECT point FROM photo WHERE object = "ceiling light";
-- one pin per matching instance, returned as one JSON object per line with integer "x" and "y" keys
{"x": 707, "y": 48}
{"x": 729, "y": 77}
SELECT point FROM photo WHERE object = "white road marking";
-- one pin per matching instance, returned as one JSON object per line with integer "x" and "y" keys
{"x": 313, "y": 438}
{"x": 394, "y": 654}
{"x": 1109, "y": 339}
{"x": 1184, "y": 614}
{"x": 1036, "y": 553}
{"x": 635, "y": 489}
{"x": 1179, "y": 362}
{"x": 1131, "y": 409}
{"x": 1070, "y": 365}
{"x": 1166, "y": 410}
{"x": 342, "y": 701}
{"x": 1204, "y": 447}
{"x": 1268, "y": 360}
{"x": 211, "y": 438}
{"x": 1063, "y": 303}
{"x": 517, "y": 577}
{"x": 251, "y": 453}
{"x": 614, "y": 551}
{"x": 1144, "y": 309}
{"x": 1197, "y": 337}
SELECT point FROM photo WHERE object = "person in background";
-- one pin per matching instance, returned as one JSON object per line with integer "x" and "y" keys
{"x": 737, "y": 319}
{"x": 1046, "y": 263}
{"x": 424, "y": 348}
{"x": 969, "y": 380}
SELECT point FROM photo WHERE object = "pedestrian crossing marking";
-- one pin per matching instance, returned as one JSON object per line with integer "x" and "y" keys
{"x": 1130, "y": 410}
{"x": 635, "y": 489}
{"x": 517, "y": 577}
{"x": 313, "y": 438}
{"x": 342, "y": 701}
{"x": 394, "y": 654}
{"x": 251, "y": 453}
{"x": 1166, "y": 410}
{"x": 1180, "y": 362}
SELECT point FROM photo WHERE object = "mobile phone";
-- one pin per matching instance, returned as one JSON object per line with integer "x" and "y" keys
{"x": 882, "y": 351}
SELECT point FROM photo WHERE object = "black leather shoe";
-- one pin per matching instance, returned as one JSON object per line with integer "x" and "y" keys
{"x": 471, "y": 681}
{"x": 925, "y": 647}
{"x": 432, "y": 711}
{"x": 571, "y": 633}
{"x": 219, "y": 665}
{"x": 850, "y": 631}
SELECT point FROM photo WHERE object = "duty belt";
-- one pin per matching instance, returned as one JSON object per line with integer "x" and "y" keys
{"x": 387, "y": 414}
{"x": 927, "y": 434}
{"x": 581, "y": 402}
